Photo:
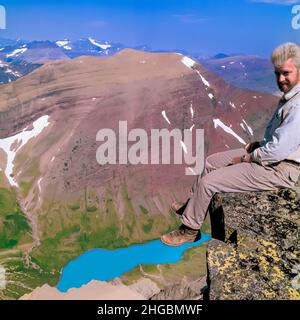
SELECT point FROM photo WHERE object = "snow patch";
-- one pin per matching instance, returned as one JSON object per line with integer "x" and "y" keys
{"x": 20, "y": 139}
{"x": 16, "y": 52}
{"x": 232, "y": 104}
{"x": 62, "y": 43}
{"x": 14, "y": 73}
{"x": 219, "y": 123}
{"x": 248, "y": 127}
{"x": 192, "y": 111}
{"x": 188, "y": 62}
{"x": 206, "y": 83}
{"x": 39, "y": 184}
{"x": 40, "y": 188}
{"x": 100, "y": 45}
{"x": 165, "y": 116}
{"x": 3, "y": 64}
{"x": 211, "y": 96}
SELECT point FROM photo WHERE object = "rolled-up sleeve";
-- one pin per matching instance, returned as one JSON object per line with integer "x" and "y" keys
{"x": 285, "y": 140}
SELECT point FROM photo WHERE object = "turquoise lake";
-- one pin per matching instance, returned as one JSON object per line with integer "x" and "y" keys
{"x": 102, "y": 264}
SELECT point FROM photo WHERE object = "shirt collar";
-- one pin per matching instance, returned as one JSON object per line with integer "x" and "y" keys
{"x": 291, "y": 93}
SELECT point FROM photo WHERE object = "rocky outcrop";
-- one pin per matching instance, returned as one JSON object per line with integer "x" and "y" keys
{"x": 145, "y": 287}
{"x": 255, "y": 251}
{"x": 182, "y": 291}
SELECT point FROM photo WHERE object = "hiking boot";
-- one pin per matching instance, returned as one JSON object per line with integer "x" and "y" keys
{"x": 181, "y": 236}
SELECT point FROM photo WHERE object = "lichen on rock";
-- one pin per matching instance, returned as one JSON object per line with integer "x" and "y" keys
{"x": 255, "y": 251}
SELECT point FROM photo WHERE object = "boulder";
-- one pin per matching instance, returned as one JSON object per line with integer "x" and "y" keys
{"x": 255, "y": 250}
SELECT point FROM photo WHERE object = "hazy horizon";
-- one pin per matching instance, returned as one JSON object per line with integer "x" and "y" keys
{"x": 205, "y": 27}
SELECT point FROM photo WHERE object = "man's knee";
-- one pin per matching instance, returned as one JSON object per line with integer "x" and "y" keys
{"x": 209, "y": 159}
{"x": 205, "y": 183}
{"x": 209, "y": 163}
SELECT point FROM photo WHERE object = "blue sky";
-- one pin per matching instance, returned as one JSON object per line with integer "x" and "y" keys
{"x": 204, "y": 26}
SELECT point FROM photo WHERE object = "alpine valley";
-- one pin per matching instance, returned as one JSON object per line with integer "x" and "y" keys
{"x": 56, "y": 201}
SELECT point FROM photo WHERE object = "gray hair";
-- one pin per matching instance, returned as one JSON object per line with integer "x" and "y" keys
{"x": 284, "y": 52}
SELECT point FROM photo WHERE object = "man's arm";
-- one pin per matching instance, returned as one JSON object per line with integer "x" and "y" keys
{"x": 285, "y": 140}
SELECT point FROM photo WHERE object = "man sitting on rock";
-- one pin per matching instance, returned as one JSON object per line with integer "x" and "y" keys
{"x": 261, "y": 166}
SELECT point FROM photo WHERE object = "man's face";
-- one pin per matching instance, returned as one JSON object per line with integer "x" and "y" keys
{"x": 288, "y": 75}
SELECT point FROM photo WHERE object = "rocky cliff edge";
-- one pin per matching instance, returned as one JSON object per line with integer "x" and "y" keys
{"x": 255, "y": 250}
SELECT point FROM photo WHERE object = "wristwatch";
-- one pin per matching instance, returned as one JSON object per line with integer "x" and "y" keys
{"x": 243, "y": 158}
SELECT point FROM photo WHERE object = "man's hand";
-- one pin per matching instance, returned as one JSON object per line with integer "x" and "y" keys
{"x": 236, "y": 160}
{"x": 250, "y": 147}
{"x": 245, "y": 158}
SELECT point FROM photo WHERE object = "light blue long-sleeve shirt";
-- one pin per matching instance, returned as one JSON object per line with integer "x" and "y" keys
{"x": 282, "y": 135}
